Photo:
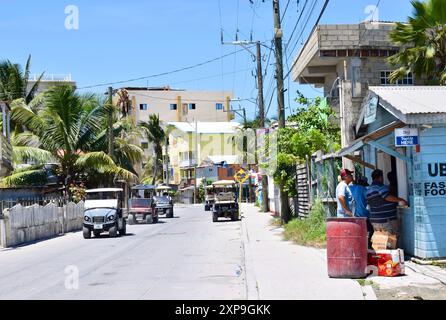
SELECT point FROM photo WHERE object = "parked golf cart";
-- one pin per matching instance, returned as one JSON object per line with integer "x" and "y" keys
{"x": 104, "y": 212}
{"x": 163, "y": 201}
{"x": 225, "y": 200}
{"x": 141, "y": 205}
{"x": 209, "y": 197}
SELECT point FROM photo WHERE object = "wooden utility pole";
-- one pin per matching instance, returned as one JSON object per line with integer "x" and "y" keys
{"x": 110, "y": 123}
{"x": 284, "y": 204}
{"x": 279, "y": 64}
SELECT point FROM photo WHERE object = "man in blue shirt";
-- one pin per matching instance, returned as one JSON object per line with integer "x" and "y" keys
{"x": 359, "y": 204}
{"x": 383, "y": 205}
{"x": 344, "y": 195}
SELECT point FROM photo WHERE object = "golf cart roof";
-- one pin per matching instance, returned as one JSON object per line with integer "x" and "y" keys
{"x": 144, "y": 187}
{"x": 104, "y": 190}
{"x": 223, "y": 183}
{"x": 163, "y": 188}
{"x": 209, "y": 187}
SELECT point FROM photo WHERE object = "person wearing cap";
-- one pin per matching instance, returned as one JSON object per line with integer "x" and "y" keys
{"x": 344, "y": 195}
{"x": 383, "y": 205}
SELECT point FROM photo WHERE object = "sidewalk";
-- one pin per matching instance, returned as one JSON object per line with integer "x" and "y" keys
{"x": 277, "y": 269}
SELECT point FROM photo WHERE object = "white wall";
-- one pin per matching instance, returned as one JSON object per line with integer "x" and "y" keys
{"x": 26, "y": 224}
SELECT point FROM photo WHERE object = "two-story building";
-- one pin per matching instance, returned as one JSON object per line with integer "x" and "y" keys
{"x": 344, "y": 60}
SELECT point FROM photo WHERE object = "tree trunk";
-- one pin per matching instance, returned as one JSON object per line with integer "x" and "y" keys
{"x": 265, "y": 200}
{"x": 285, "y": 214}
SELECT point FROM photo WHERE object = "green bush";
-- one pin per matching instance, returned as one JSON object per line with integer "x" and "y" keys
{"x": 310, "y": 231}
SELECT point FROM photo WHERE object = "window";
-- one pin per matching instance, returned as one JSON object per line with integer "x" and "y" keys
{"x": 219, "y": 106}
{"x": 144, "y": 145}
{"x": 143, "y": 106}
{"x": 406, "y": 81}
{"x": 191, "y": 106}
{"x": 173, "y": 106}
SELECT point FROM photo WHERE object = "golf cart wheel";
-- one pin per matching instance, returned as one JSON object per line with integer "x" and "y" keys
{"x": 234, "y": 216}
{"x": 149, "y": 219}
{"x": 214, "y": 217}
{"x": 131, "y": 219}
{"x": 97, "y": 233}
{"x": 113, "y": 231}
{"x": 170, "y": 214}
{"x": 155, "y": 220}
{"x": 86, "y": 233}
{"x": 123, "y": 231}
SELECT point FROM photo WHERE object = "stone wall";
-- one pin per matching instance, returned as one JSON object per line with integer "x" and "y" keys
{"x": 27, "y": 224}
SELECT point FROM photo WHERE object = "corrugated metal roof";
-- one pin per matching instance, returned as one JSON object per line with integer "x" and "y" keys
{"x": 207, "y": 127}
{"x": 414, "y": 99}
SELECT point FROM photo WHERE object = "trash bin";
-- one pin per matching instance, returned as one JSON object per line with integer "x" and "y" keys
{"x": 347, "y": 247}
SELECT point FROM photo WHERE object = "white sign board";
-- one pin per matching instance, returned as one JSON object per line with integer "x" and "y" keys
{"x": 406, "y": 137}
{"x": 370, "y": 110}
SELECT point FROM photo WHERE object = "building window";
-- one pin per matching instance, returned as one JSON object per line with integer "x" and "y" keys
{"x": 144, "y": 145}
{"x": 173, "y": 106}
{"x": 406, "y": 81}
{"x": 191, "y": 106}
{"x": 219, "y": 106}
{"x": 143, "y": 106}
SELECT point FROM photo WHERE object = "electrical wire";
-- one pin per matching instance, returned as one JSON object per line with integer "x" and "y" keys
{"x": 163, "y": 73}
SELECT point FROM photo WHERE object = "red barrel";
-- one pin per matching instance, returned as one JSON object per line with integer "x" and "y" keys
{"x": 347, "y": 247}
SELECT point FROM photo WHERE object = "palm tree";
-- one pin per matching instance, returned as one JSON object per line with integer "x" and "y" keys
{"x": 65, "y": 130}
{"x": 155, "y": 135}
{"x": 423, "y": 43}
{"x": 14, "y": 82}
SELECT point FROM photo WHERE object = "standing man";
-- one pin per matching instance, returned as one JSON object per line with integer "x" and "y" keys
{"x": 344, "y": 195}
{"x": 359, "y": 207}
{"x": 383, "y": 205}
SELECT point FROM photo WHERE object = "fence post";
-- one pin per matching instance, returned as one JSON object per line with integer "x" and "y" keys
{"x": 2, "y": 232}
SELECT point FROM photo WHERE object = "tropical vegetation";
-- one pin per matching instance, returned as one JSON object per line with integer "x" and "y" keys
{"x": 423, "y": 43}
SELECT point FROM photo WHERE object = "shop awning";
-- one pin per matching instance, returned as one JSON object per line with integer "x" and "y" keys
{"x": 348, "y": 152}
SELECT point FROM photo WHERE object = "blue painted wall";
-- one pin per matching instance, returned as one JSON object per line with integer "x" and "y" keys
{"x": 430, "y": 195}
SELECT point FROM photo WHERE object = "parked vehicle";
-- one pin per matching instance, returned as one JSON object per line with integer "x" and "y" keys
{"x": 141, "y": 205}
{"x": 104, "y": 212}
{"x": 209, "y": 197}
{"x": 163, "y": 201}
{"x": 225, "y": 200}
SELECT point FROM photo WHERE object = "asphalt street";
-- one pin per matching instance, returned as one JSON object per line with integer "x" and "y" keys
{"x": 187, "y": 257}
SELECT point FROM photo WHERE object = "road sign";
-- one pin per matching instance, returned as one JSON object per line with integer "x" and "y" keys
{"x": 241, "y": 176}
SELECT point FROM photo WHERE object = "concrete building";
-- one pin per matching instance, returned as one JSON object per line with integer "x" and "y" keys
{"x": 49, "y": 80}
{"x": 180, "y": 105}
{"x": 190, "y": 146}
{"x": 345, "y": 60}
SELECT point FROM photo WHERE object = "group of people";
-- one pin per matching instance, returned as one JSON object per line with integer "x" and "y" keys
{"x": 376, "y": 202}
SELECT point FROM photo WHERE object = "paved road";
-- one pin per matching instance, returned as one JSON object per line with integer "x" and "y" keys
{"x": 187, "y": 257}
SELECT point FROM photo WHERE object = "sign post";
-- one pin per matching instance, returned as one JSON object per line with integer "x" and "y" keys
{"x": 241, "y": 176}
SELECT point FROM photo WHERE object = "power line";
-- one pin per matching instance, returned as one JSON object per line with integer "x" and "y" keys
{"x": 163, "y": 73}
{"x": 286, "y": 8}
{"x": 296, "y": 25}
{"x": 314, "y": 27}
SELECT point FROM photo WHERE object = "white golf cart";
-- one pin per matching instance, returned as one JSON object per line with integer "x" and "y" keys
{"x": 104, "y": 212}
{"x": 163, "y": 201}
{"x": 225, "y": 200}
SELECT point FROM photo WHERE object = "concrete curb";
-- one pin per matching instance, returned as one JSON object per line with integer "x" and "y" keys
{"x": 252, "y": 290}
{"x": 369, "y": 293}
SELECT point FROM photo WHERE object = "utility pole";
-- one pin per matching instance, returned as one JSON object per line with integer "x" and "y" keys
{"x": 279, "y": 64}
{"x": 284, "y": 204}
{"x": 110, "y": 123}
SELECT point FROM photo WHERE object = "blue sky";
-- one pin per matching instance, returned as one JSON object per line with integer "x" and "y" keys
{"x": 119, "y": 40}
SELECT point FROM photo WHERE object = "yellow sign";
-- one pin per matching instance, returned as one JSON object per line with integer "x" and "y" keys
{"x": 241, "y": 176}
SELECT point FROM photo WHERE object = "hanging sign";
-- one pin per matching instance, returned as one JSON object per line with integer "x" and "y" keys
{"x": 406, "y": 137}
{"x": 370, "y": 110}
